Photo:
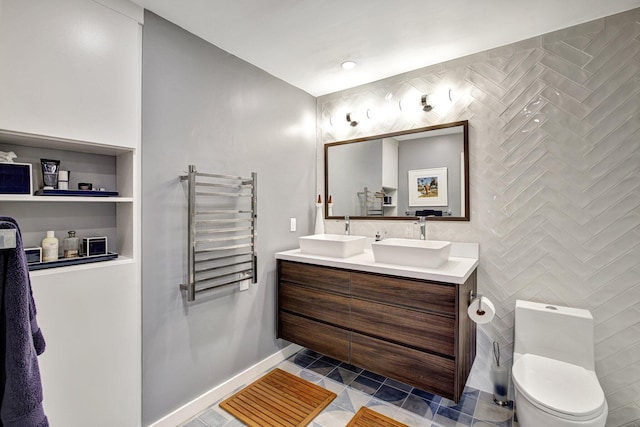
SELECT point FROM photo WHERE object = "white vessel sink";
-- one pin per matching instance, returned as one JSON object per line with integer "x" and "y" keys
{"x": 411, "y": 252}
{"x": 332, "y": 245}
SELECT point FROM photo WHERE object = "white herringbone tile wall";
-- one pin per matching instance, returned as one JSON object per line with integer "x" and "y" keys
{"x": 555, "y": 180}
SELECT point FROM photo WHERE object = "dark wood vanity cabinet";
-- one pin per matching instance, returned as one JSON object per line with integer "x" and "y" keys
{"x": 412, "y": 330}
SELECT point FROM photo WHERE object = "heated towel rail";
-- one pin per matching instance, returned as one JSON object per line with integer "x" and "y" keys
{"x": 371, "y": 202}
{"x": 221, "y": 229}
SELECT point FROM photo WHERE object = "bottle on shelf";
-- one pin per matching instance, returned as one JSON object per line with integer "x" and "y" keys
{"x": 50, "y": 247}
{"x": 71, "y": 245}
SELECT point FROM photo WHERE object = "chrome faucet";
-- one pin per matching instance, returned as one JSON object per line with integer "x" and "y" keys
{"x": 347, "y": 228}
{"x": 423, "y": 228}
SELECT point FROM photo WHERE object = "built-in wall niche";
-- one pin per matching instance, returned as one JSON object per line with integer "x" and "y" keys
{"x": 111, "y": 168}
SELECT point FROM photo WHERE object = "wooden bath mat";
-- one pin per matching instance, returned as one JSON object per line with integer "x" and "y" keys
{"x": 278, "y": 399}
{"x": 366, "y": 417}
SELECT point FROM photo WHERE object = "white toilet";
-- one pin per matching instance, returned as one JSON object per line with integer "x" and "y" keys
{"x": 553, "y": 368}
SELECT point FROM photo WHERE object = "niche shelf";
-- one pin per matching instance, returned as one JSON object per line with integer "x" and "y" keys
{"x": 113, "y": 168}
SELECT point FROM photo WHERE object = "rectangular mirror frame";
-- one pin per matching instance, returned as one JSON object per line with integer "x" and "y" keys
{"x": 465, "y": 126}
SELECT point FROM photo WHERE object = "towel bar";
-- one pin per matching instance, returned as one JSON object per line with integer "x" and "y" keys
{"x": 221, "y": 223}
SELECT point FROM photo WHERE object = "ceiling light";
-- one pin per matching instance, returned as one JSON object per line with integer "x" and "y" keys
{"x": 352, "y": 119}
{"x": 348, "y": 65}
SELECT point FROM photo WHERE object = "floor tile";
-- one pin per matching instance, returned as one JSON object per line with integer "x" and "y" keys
{"x": 302, "y": 360}
{"x": 342, "y": 375}
{"x": 194, "y": 423}
{"x": 213, "y": 418}
{"x": 466, "y": 405}
{"x": 398, "y": 385}
{"x": 365, "y": 384}
{"x": 411, "y": 419}
{"x": 321, "y": 367}
{"x": 448, "y": 417}
{"x": 311, "y": 353}
{"x": 332, "y": 416}
{"x": 351, "y": 400}
{"x": 391, "y": 395}
{"x": 351, "y": 368}
{"x": 290, "y": 367}
{"x": 383, "y": 407}
{"x": 331, "y": 385}
{"x": 493, "y": 414}
{"x": 331, "y": 360}
{"x": 373, "y": 376}
{"x": 356, "y": 387}
{"x": 426, "y": 395}
{"x": 310, "y": 376}
{"x": 419, "y": 406}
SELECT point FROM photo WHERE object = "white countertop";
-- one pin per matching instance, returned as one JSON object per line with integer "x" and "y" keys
{"x": 462, "y": 262}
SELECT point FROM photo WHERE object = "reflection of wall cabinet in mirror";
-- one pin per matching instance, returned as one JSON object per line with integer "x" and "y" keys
{"x": 389, "y": 172}
{"x": 379, "y": 167}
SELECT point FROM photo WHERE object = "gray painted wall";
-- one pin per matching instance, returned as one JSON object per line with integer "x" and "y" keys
{"x": 433, "y": 152}
{"x": 351, "y": 168}
{"x": 203, "y": 106}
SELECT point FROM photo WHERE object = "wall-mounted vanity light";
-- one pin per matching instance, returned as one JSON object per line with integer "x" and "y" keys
{"x": 425, "y": 103}
{"x": 355, "y": 118}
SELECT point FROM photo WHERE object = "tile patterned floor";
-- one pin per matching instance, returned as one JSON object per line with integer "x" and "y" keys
{"x": 356, "y": 387}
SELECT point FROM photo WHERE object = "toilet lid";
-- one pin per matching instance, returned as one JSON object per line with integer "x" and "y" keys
{"x": 561, "y": 387}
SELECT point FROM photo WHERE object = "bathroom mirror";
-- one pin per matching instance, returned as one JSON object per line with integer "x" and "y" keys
{"x": 400, "y": 175}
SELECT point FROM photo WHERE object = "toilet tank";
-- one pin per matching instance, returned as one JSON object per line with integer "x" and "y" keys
{"x": 561, "y": 333}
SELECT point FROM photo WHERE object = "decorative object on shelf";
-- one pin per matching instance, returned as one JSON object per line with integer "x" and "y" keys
{"x": 50, "y": 169}
{"x": 63, "y": 180}
{"x": 319, "y": 229}
{"x": 330, "y": 206}
{"x": 34, "y": 255}
{"x": 92, "y": 246}
{"x": 428, "y": 187}
{"x": 71, "y": 246}
{"x": 221, "y": 227}
{"x": 85, "y": 186}
{"x": 50, "y": 247}
{"x": 15, "y": 178}
{"x": 7, "y": 156}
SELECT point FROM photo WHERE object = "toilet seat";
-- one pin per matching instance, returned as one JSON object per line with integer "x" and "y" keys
{"x": 565, "y": 390}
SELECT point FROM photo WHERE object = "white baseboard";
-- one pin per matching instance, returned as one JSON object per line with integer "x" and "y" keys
{"x": 210, "y": 397}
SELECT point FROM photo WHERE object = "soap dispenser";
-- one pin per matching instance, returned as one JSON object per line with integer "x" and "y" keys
{"x": 50, "y": 247}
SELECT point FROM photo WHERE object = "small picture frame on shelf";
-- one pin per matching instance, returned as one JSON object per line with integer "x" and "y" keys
{"x": 15, "y": 178}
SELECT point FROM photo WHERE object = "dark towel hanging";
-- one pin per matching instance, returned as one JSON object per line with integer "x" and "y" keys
{"x": 21, "y": 340}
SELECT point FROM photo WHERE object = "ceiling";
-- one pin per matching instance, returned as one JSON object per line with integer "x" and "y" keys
{"x": 303, "y": 42}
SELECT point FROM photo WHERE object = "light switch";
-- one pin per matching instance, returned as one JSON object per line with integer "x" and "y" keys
{"x": 293, "y": 224}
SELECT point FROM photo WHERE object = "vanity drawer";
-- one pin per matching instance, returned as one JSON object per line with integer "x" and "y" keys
{"x": 325, "y": 278}
{"x": 426, "y": 331}
{"x": 317, "y": 336}
{"x": 323, "y": 306}
{"x": 422, "y": 370}
{"x": 411, "y": 293}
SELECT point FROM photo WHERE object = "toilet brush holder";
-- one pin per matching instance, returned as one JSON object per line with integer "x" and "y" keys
{"x": 500, "y": 378}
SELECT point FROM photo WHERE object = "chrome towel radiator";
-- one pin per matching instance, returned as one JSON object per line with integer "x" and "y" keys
{"x": 221, "y": 230}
